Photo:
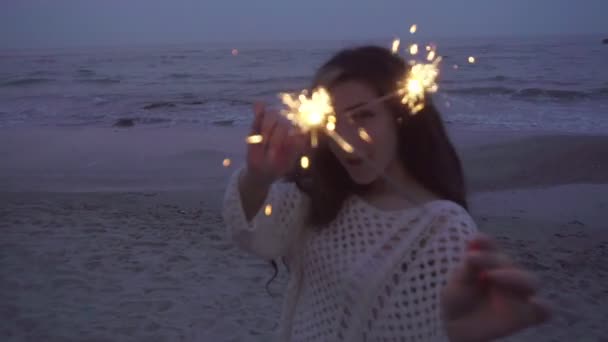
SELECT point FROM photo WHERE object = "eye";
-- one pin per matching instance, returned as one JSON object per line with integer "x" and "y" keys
{"x": 362, "y": 115}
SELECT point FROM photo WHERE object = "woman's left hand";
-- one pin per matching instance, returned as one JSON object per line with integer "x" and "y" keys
{"x": 489, "y": 297}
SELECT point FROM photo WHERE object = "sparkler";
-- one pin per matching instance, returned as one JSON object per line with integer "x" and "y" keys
{"x": 304, "y": 162}
{"x": 315, "y": 113}
{"x": 413, "y": 49}
{"x": 395, "y": 47}
{"x": 254, "y": 139}
{"x": 268, "y": 210}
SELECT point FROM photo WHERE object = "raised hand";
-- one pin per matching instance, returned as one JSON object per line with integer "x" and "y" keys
{"x": 489, "y": 297}
{"x": 282, "y": 144}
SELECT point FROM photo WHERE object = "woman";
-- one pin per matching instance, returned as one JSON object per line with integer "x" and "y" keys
{"x": 379, "y": 244}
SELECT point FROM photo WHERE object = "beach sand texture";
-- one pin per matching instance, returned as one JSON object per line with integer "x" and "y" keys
{"x": 116, "y": 235}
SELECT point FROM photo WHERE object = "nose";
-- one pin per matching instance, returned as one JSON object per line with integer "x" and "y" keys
{"x": 349, "y": 131}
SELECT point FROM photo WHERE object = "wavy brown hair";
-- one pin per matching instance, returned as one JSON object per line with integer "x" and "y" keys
{"x": 424, "y": 146}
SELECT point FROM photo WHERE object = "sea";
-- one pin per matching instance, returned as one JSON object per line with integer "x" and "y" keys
{"x": 551, "y": 83}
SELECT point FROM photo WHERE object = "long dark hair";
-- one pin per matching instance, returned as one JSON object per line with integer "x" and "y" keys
{"x": 424, "y": 146}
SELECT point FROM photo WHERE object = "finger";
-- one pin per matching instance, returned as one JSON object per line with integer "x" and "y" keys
{"x": 277, "y": 141}
{"x": 268, "y": 126}
{"x": 523, "y": 314}
{"x": 258, "y": 111}
{"x": 482, "y": 242}
{"x": 513, "y": 280}
{"x": 542, "y": 310}
{"x": 296, "y": 142}
{"x": 479, "y": 260}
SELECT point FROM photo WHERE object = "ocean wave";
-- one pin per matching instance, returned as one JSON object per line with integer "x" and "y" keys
{"x": 602, "y": 91}
{"x": 85, "y": 72}
{"x": 152, "y": 121}
{"x": 191, "y": 100}
{"x": 39, "y": 73}
{"x": 100, "y": 81}
{"x": 26, "y": 82}
{"x": 132, "y": 121}
{"x": 157, "y": 105}
{"x": 179, "y": 75}
{"x": 511, "y": 80}
{"x": 273, "y": 80}
{"x": 497, "y": 78}
{"x": 482, "y": 91}
{"x": 533, "y": 93}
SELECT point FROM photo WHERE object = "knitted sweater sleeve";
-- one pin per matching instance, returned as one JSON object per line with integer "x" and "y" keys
{"x": 406, "y": 303}
{"x": 267, "y": 236}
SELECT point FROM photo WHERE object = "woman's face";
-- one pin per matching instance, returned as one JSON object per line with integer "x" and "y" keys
{"x": 355, "y": 120}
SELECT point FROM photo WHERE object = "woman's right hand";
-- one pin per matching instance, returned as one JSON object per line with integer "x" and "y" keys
{"x": 281, "y": 145}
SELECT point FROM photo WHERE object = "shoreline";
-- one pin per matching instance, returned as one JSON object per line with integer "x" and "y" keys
{"x": 191, "y": 158}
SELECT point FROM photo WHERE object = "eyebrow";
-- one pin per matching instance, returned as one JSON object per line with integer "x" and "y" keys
{"x": 355, "y": 106}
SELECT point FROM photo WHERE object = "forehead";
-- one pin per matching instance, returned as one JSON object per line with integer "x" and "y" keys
{"x": 351, "y": 94}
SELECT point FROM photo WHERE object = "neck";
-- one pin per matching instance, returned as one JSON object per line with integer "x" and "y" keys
{"x": 402, "y": 190}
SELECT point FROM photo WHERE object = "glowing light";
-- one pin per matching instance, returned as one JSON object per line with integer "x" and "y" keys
{"x": 226, "y": 162}
{"x": 254, "y": 139}
{"x": 455, "y": 66}
{"x": 471, "y": 59}
{"x": 235, "y": 52}
{"x": 304, "y": 162}
{"x": 395, "y": 46}
{"x": 430, "y": 56}
{"x": 363, "y": 135}
{"x": 413, "y": 49}
{"x": 420, "y": 80}
{"x": 344, "y": 145}
{"x": 428, "y": 48}
{"x": 413, "y": 29}
{"x": 313, "y": 114}
{"x": 308, "y": 113}
{"x": 268, "y": 210}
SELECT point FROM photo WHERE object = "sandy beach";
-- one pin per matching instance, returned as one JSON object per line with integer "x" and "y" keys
{"x": 116, "y": 234}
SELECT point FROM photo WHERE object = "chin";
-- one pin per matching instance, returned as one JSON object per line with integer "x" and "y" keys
{"x": 363, "y": 178}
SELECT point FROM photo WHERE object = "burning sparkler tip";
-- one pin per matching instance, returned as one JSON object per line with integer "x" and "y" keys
{"x": 304, "y": 162}
{"x": 395, "y": 46}
{"x": 268, "y": 210}
{"x": 254, "y": 139}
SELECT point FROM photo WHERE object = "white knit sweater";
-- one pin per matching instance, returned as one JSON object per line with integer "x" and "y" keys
{"x": 370, "y": 275}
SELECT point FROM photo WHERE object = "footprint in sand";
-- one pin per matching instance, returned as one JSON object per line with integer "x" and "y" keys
{"x": 152, "y": 326}
{"x": 70, "y": 283}
{"x": 112, "y": 289}
{"x": 146, "y": 306}
{"x": 8, "y": 312}
{"x": 92, "y": 265}
{"x": 26, "y": 324}
{"x": 150, "y": 244}
{"x": 178, "y": 258}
